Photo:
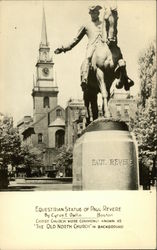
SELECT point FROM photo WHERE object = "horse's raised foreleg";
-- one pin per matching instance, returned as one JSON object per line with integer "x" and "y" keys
{"x": 104, "y": 93}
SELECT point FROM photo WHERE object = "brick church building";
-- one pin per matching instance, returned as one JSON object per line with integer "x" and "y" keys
{"x": 49, "y": 129}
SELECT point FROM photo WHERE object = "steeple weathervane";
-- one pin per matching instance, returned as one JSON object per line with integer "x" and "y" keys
{"x": 44, "y": 41}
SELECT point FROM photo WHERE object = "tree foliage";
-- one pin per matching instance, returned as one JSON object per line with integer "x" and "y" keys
{"x": 10, "y": 143}
{"x": 30, "y": 156}
{"x": 147, "y": 71}
{"x": 31, "y": 159}
{"x": 64, "y": 161}
{"x": 145, "y": 123}
{"x": 12, "y": 151}
{"x": 144, "y": 127}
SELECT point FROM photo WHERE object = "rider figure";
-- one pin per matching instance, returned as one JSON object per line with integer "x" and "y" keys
{"x": 95, "y": 34}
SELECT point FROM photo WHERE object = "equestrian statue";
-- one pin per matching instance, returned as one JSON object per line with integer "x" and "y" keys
{"x": 103, "y": 63}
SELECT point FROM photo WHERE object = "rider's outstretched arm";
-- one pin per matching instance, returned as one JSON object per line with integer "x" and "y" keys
{"x": 75, "y": 41}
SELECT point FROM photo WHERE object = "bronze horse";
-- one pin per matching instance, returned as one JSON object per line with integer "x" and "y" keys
{"x": 102, "y": 74}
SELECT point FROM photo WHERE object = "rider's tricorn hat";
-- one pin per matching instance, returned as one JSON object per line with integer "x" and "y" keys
{"x": 94, "y": 7}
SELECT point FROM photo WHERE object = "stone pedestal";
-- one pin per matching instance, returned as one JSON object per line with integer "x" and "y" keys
{"x": 105, "y": 158}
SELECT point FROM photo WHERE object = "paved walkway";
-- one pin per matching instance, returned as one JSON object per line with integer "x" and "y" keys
{"x": 13, "y": 186}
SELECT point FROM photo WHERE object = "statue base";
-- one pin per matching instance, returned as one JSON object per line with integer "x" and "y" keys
{"x": 105, "y": 158}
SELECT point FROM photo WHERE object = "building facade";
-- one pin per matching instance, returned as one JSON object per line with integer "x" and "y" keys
{"x": 122, "y": 105}
{"x": 74, "y": 125}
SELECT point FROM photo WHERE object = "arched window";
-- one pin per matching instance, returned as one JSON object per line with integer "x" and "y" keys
{"x": 59, "y": 138}
{"x": 118, "y": 107}
{"x": 40, "y": 138}
{"x": 46, "y": 102}
{"x": 58, "y": 112}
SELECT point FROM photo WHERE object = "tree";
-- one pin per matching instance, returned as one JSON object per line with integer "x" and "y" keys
{"x": 13, "y": 152}
{"x": 31, "y": 158}
{"x": 145, "y": 131}
{"x": 10, "y": 143}
{"x": 64, "y": 161}
{"x": 147, "y": 71}
{"x": 9, "y": 148}
{"x": 145, "y": 122}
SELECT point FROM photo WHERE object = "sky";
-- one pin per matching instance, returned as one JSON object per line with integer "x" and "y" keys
{"x": 20, "y": 35}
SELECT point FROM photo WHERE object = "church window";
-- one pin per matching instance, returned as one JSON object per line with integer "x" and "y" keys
{"x": 118, "y": 107}
{"x": 46, "y": 102}
{"x": 40, "y": 138}
{"x": 45, "y": 55}
{"x": 126, "y": 109}
{"x": 59, "y": 138}
{"x": 58, "y": 112}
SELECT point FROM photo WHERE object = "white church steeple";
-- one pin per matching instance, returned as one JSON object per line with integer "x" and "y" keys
{"x": 45, "y": 90}
{"x": 44, "y": 41}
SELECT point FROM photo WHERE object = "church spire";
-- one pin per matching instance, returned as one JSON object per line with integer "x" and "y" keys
{"x": 44, "y": 41}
